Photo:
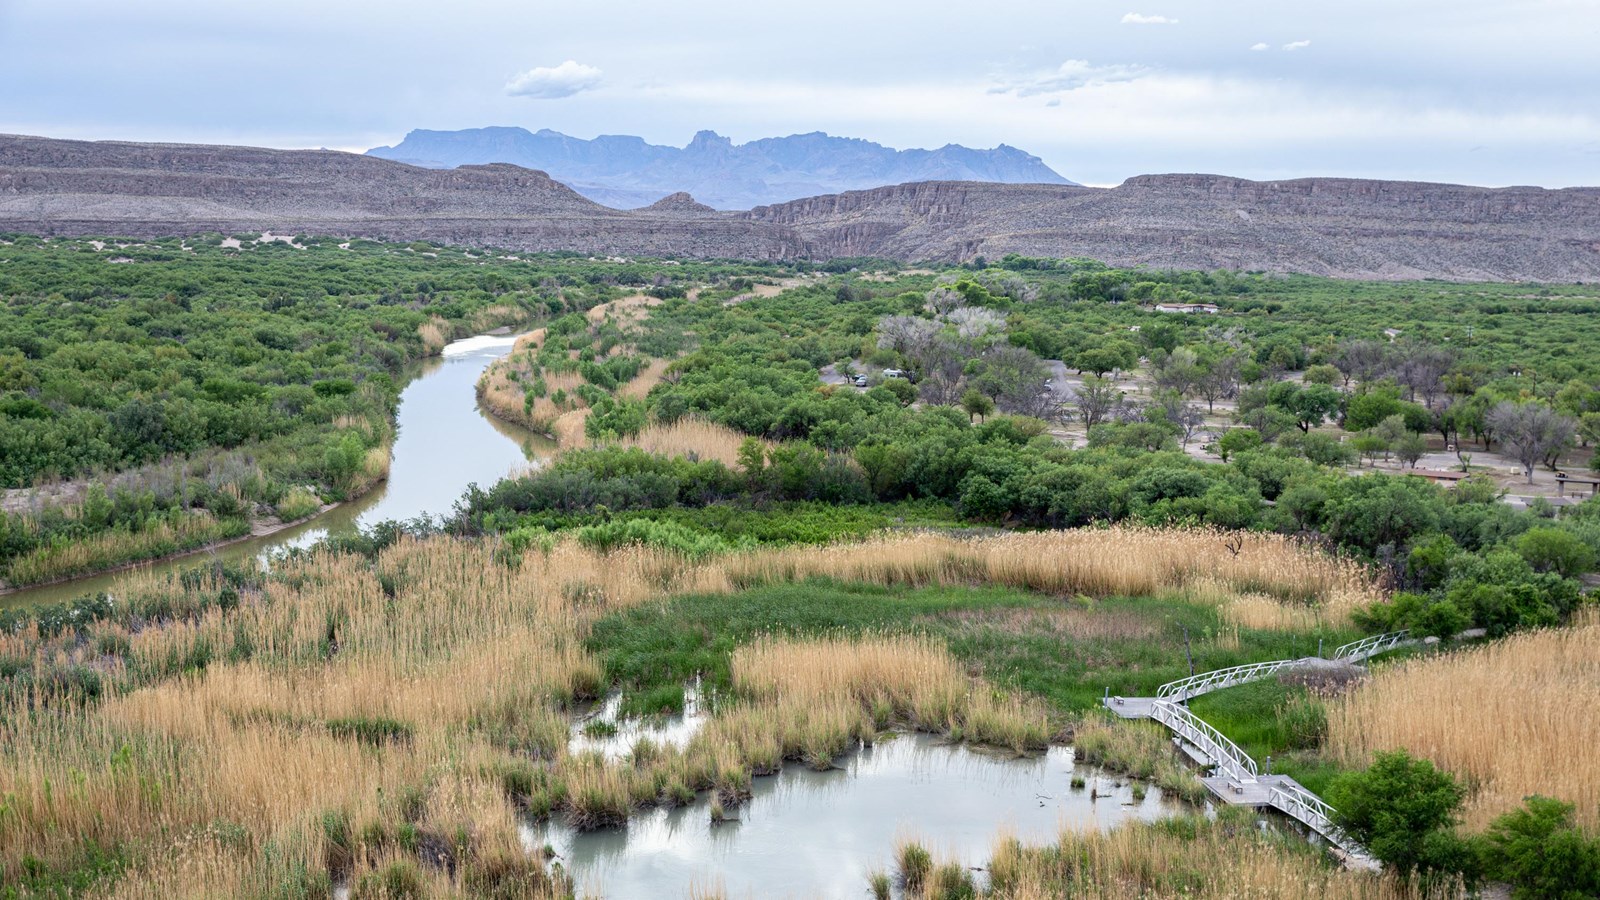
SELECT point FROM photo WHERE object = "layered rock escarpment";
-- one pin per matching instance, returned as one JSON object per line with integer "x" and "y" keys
{"x": 1327, "y": 226}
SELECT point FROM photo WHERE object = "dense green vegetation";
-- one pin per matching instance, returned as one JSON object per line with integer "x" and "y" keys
{"x": 1462, "y": 556}
{"x": 197, "y": 387}
{"x": 1404, "y": 810}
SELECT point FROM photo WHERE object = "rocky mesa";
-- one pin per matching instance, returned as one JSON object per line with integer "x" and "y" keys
{"x": 1327, "y": 226}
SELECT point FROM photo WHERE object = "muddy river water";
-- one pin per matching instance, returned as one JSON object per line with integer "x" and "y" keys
{"x": 444, "y": 443}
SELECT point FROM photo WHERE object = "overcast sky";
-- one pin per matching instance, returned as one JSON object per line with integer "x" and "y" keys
{"x": 1499, "y": 92}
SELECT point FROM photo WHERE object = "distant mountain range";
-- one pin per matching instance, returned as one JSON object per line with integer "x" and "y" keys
{"x": 1326, "y": 226}
{"x": 624, "y": 172}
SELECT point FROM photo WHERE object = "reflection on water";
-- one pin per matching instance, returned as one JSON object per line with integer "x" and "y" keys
{"x": 617, "y": 739}
{"x": 444, "y": 443}
{"x": 821, "y": 834}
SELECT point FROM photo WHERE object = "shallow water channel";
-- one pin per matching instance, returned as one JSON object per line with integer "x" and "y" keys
{"x": 444, "y": 442}
{"x": 821, "y": 834}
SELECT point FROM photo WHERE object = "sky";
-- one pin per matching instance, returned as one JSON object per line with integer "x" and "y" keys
{"x": 1504, "y": 92}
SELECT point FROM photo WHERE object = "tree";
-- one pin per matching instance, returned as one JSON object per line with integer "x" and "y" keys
{"x": 1401, "y": 809}
{"x": 976, "y": 404}
{"x": 1530, "y": 432}
{"x": 1237, "y": 440}
{"x": 1095, "y": 399}
{"x": 1185, "y": 418}
{"x": 1323, "y": 374}
{"x": 1589, "y": 430}
{"x": 1179, "y": 371}
{"x": 1371, "y": 406}
{"x": 1541, "y": 853}
{"x": 1551, "y": 549}
{"x": 1312, "y": 405}
{"x": 903, "y": 390}
{"x": 1421, "y": 369}
{"x": 1361, "y": 361}
{"x": 1369, "y": 444}
{"x": 1410, "y": 448}
{"x": 1220, "y": 380}
{"x": 1107, "y": 357}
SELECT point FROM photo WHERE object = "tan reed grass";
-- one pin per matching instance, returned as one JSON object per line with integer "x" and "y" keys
{"x": 434, "y": 334}
{"x": 1141, "y": 861}
{"x": 439, "y": 671}
{"x": 1516, "y": 717}
{"x": 639, "y": 386}
{"x": 690, "y": 437}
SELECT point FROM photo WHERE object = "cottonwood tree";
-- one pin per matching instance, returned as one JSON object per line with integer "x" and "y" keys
{"x": 942, "y": 366}
{"x": 977, "y": 325}
{"x": 943, "y": 300}
{"x": 906, "y": 335}
{"x": 1361, "y": 361}
{"x": 1220, "y": 380}
{"x": 1179, "y": 371}
{"x": 1420, "y": 369}
{"x": 1530, "y": 433}
{"x": 1012, "y": 376}
{"x": 1096, "y": 399}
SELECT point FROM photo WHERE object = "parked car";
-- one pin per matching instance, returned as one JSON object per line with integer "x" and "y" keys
{"x": 860, "y": 381}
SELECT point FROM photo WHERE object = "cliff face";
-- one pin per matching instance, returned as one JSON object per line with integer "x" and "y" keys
{"x": 1338, "y": 227}
{"x": 146, "y": 190}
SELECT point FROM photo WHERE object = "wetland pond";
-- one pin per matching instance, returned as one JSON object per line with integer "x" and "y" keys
{"x": 443, "y": 443}
{"x": 806, "y": 833}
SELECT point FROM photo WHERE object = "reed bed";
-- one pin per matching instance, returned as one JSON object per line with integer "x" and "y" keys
{"x": 690, "y": 437}
{"x": 1516, "y": 717}
{"x": 623, "y": 310}
{"x": 1188, "y": 858}
{"x": 1122, "y": 561}
{"x": 434, "y": 335}
{"x": 569, "y": 429}
{"x": 426, "y": 691}
{"x": 650, "y": 376}
{"x": 504, "y": 390}
{"x": 106, "y": 549}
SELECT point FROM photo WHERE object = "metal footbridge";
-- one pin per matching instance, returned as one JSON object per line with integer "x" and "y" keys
{"x": 1232, "y": 774}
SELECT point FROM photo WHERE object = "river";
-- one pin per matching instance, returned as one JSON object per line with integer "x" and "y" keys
{"x": 444, "y": 442}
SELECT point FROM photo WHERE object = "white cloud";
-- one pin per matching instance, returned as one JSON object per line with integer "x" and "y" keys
{"x": 1142, "y": 19}
{"x": 1258, "y": 47}
{"x": 1296, "y": 45}
{"x": 554, "y": 82}
{"x": 1072, "y": 75}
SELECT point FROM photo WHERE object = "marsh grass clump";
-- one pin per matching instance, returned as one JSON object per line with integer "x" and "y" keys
{"x": 1140, "y": 750}
{"x": 1186, "y": 857}
{"x": 913, "y": 863}
{"x": 598, "y": 795}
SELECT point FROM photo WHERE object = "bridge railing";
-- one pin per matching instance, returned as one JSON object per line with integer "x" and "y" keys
{"x": 1225, "y": 754}
{"x": 1205, "y": 683}
{"x": 1366, "y": 648}
{"x": 1299, "y": 803}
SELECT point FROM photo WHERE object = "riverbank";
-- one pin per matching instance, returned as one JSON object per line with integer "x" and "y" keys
{"x": 258, "y": 529}
{"x": 437, "y": 394}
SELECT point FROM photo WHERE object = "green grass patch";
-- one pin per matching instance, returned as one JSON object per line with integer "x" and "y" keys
{"x": 1269, "y": 718}
{"x": 91, "y": 866}
{"x": 1069, "y": 652}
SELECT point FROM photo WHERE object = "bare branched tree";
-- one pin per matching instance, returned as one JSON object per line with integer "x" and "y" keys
{"x": 1531, "y": 433}
{"x": 1096, "y": 399}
